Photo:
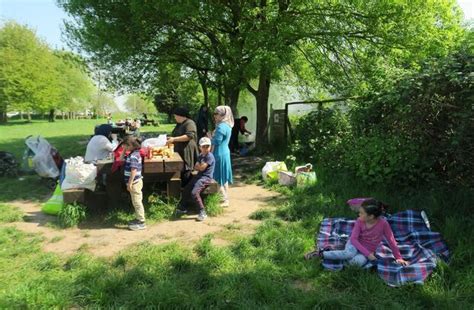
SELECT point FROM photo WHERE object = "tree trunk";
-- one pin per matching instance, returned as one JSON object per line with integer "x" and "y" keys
{"x": 232, "y": 93}
{"x": 28, "y": 114}
{"x": 21, "y": 115}
{"x": 261, "y": 98}
{"x": 51, "y": 115}
{"x": 3, "y": 117}
{"x": 205, "y": 92}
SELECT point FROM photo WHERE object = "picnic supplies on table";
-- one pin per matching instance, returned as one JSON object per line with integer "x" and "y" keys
{"x": 271, "y": 169}
{"x": 355, "y": 203}
{"x": 55, "y": 203}
{"x": 418, "y": 245}
{"x": 155, "y": 142}
{"x": 79, "y": 174}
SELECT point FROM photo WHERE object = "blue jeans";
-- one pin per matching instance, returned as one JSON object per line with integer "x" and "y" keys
{"x": 350, "y": 254}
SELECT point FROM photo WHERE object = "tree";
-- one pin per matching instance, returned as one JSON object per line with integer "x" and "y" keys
{"x": 35, "y": 78}
{"x": 26, "y": 68}
{"x": 230, "y": 43}
{"x": 138, "y": 105}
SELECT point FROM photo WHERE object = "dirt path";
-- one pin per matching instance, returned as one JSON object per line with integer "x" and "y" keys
{"x": 107, "y": 241}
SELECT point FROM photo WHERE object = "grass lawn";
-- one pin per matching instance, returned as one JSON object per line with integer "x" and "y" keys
{"x": 70, "y": 137}
{"x": 262, "y": 271}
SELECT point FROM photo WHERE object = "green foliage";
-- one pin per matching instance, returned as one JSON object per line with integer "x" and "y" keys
{"x": 71, "y": 215}
{"x": 138, "y": 104}
{"x": 34, "y": 78}
{"x": 160, "y": 209}
{"x": 261, "y": 214}
{"x": 318, "y": 133}
{"x": 421, "y": 130}
{"x": 10, "y": 214}
{"x": 213, "y": 205}
{"x": 417, "y": 132}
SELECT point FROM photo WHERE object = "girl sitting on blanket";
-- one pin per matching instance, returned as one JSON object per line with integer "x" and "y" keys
{"x": 368, "y": 231}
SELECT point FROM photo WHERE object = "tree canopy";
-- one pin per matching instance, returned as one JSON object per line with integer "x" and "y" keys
{"x": 229, "y": 44}
{"x": 35, "y": 78}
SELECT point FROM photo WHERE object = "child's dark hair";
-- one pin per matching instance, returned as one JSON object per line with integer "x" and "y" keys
{"x": 244, "y": 118}
{"x": 374, "y": 207}
{"x": 133, "y": 142}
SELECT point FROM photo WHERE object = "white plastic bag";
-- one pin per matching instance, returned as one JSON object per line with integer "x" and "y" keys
{"x": 79, "y": 174}
{"x": 286, "y": 178}
{"x": 43, "y": 162}
{"x": 155, "y": 142}
{"x": 271, "y": 168}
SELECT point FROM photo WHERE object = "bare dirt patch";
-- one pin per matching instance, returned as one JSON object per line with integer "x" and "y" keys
{"x": 106, "y": 241}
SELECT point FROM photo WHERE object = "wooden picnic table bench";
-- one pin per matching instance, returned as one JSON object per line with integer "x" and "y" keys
{"x": 159, "y": 169}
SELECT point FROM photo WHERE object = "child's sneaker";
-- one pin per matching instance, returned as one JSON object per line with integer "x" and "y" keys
{"x": 137, "y": 225}
{"x": 180, "y": 211}
{"x": 225, "y": 203}
{"x": 202, "y": 216}
{"x": 316, "y": 253}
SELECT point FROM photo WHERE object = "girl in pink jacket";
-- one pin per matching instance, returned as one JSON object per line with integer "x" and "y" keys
{"x": 366, "y": 236}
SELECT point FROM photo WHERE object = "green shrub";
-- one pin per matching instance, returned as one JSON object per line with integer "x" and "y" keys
{"x": 317, "y": 133}
{"x": 213, "y": 205}
{"x": 160, "y": 209}
{"x": 71, "y": 215}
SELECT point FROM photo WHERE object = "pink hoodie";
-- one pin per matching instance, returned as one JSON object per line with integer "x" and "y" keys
{"x": 366, "y": 240}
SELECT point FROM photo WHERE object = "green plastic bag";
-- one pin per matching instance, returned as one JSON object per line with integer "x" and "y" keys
{"x": 306, "y": 179}
{"x": 55, "y": 203}
{"x": 273, "y": 174}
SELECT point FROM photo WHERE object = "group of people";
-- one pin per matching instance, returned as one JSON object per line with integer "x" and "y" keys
{"x": 202, "y": 152}
{"x": 213, "y": 162}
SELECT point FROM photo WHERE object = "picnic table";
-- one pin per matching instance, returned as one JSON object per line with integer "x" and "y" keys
{"x": 158, "y": 169}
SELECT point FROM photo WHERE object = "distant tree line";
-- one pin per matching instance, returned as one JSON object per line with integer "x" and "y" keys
{"x": 37, "y": 79}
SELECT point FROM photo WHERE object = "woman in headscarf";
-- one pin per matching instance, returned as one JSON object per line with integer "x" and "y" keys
{"x": 202, "y": 122}
{"x": 184, "y": 139}
{"x": 101, "y": 144}
{"x": 220, "y": 143}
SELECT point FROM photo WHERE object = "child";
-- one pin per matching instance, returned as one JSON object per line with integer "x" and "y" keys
{"x": 205, "y": 167}
{"x": 133, "y": 180}
{"x": 366, "y": 236}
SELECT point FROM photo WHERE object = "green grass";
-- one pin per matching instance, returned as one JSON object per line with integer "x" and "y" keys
{"x": 265, "y": 270}
{"x": 69, "y": 137}
{"x": 10, "y": 214}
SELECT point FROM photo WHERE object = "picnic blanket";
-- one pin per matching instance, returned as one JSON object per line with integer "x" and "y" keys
{"x": 418, "y": 245}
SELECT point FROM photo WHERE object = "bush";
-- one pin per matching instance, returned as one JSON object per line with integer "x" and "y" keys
{"x": 421, "y": 130}
{"x": 317, "y": 133}
{"x": 71, "y": 215}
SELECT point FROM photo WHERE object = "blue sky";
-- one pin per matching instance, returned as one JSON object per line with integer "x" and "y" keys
{"x": 46, "y": 18}
{"x": 41, "y": 15}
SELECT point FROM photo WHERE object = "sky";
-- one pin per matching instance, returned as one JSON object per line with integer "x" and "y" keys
{"x": 46, "y": 18}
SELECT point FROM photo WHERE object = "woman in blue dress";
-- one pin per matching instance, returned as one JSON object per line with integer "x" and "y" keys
{"x": 220, "y": 143}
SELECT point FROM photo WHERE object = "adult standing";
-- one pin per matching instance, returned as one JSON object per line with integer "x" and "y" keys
{"x": 220, "y": 143}
{"x": 202, "y": 122}
{"x": 184, "y": 139}
{"x": 239, "y": 127}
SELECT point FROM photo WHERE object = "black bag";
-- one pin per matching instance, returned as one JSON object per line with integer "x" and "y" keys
{"x": 8, "y": 164}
